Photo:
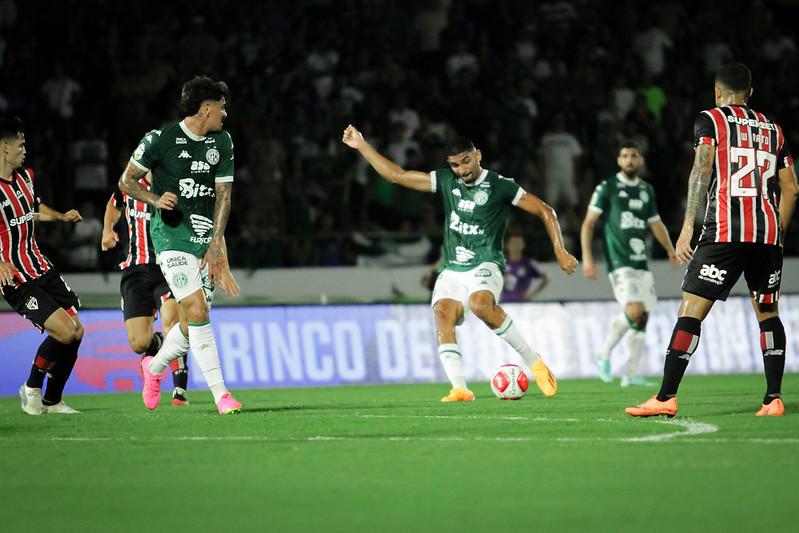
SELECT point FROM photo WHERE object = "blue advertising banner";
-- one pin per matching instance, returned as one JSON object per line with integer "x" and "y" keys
{"x": 332, "y": 345}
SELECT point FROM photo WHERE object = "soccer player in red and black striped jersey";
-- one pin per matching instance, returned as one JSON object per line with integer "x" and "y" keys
{"x": 28, "y": 281}
{"x": 144, "y": 290}
{"x": 745, "y": 170}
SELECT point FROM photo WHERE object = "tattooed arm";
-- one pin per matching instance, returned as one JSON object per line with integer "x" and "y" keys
{"x": 216, "y": 256}
{"x": 129, "y": 184}
{"x": 697, "y": 196}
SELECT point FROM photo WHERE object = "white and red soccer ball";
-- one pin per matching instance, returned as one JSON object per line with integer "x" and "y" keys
{"x": 510, "y": 382}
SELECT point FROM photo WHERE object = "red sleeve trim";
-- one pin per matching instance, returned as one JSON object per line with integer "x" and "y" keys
{"x": 706, "y": 140}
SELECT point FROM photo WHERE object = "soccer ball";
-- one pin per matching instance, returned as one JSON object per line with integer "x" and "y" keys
{"x": 510, "y": 382}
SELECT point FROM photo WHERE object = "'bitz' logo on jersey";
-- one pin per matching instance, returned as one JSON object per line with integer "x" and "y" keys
{"x": 191, "y": 189}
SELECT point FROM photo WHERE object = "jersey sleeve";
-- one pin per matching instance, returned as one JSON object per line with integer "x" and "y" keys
{"x": 652, "y": 214}
{"x": 116, "y": 199}
{"x": 509, "y": 190}
{"x": 224, "y": 170}
{"x": 147, "y": 153}
{"x": 784, "y": 158}
{"x": 37, "y": 200}
{"x": 704, "y": 131}
{"x": 599, "y": 200}
{"x": 440, "y": 179}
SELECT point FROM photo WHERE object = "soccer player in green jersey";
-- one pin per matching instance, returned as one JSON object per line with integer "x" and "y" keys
{"x": 477, "y": 205}
{"x": 192, "y": 167}
{"x": 625, "y": 208}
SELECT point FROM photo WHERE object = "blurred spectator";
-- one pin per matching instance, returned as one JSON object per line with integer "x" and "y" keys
{"x": 651, "y": 44}
{"x": 61, "y": 93}
{"x": 524, "y": 278}
{"x": 90, "y": 159}
{"x": 84, "y": 250}
{"x": 559, "y": 152}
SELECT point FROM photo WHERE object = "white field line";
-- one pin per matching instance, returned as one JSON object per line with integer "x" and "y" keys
{"x": 688, "y": 429}
{"x": 467, "y": 417}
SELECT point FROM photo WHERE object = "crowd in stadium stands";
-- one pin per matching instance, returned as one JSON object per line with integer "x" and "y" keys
{"x": 546, "y": 89}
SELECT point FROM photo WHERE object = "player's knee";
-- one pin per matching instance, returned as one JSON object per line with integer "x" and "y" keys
{"x": 62, "y": 335}
{"x": 139, "y": 343}
{"x": 445, "y": 317}
{"x": 196, "y": 312}
{"x": 481, "y": 309}
{"x": 77, "y": 332}
{"x": 637, "y": 316}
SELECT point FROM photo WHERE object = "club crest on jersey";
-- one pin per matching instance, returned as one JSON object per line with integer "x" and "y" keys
{"x": 32, "y": 304}
{"x": 480, "y": 197}
{"x": 212, "y": 156}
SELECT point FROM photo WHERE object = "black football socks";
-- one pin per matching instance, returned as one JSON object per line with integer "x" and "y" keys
{"x": 772, "y": 342}
{"x": 683, "y": 344}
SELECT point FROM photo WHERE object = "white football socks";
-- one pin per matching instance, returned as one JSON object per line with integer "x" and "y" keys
{"x": 510, "y": 334}
{"x": 617, "y": 330}
{"x": 636, "y": 345}
{"x": 175, "y": 344}
{"x": 203, "y": 347}
{"x": 452, "y": 362}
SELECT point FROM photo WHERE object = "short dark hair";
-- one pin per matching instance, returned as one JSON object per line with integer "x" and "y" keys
{"x": 459, "y": 145}
{"x": 735, "y": 77}
{"x": 629, "y": 143}
{"x": 10, "y": 127}
{"x": 199, "y": 89}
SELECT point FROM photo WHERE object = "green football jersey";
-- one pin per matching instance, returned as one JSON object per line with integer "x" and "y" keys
{"x": 628, "y": 207}
{"x": 189, "y": 166}
{"x": 476, "y": 217}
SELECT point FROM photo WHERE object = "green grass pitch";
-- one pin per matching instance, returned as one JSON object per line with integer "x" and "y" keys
{"x": 392, "y": 458}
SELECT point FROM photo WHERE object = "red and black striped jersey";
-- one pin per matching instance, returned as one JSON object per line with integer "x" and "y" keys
{"x": 18, "y": 205}
{"x": 744, "y": 194}
{"x": 137, "y": 215}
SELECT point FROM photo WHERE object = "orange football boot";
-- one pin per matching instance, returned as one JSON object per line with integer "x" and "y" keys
{"x": 544, "y": 378}
{"x": 775, "y": 408}
{"x": 654, "y": 407}
{"x": 457, "y": 394}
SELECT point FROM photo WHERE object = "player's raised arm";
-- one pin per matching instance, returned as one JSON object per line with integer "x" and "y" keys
{"x": 412, "y": 179}
{"x": 48, "y": 214}
{"x": 129, "y": 184}
{"x": 586, "y": 236}
{"x": 534, "y": 205}
{"x": 698, "y": 183}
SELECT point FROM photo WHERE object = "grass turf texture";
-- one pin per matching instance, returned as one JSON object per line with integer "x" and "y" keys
{"x": 392, "y": 458}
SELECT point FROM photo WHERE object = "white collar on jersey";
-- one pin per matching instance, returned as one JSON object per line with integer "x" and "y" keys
{"x": 188, "y": 132}
{"x": 627, "y": 181}
{"x": 479, "y": 180}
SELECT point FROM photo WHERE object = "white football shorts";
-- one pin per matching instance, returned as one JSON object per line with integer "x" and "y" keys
{"x": 631, "y": 285}
{"x": 184, "y": 276}
{"x": 455, "y": 285}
